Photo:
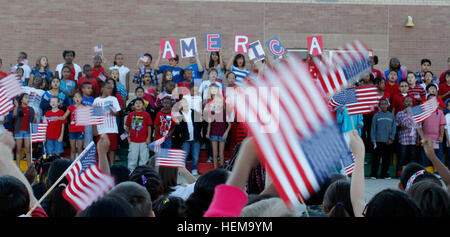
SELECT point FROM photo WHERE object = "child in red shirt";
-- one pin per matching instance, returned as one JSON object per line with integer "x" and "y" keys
{"x": 55, "y": 128}
{"x": 87, "y": 73}
{"x": 415, "y": 90}
{"x": 23, "y": 115}
{"x": 98, "y": 70}
{"x": 392, "y": 86}
{"x": 138, "y": 125}
{"x": 444, "y": 88}
{"x": 397, "y": 99}
{"x": 76, "y": 133}
{"x": 164, "y": 123}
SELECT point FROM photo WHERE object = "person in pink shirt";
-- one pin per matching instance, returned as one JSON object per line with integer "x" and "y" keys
{"x": 433, "y": 128}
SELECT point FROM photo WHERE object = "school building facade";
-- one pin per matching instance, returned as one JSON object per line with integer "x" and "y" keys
{"x": 132, "y": 27}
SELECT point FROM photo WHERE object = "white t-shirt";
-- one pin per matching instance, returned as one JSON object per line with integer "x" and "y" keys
{"x": 60, "y": 67}
{"x": 183, "y": 192}
{"x": 110, "y": 124}
{"x": 122, "y": 73}
{"x": 26, "y": 71}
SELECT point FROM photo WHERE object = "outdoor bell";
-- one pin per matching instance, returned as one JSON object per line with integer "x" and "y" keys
{"x": 409, "y": 23}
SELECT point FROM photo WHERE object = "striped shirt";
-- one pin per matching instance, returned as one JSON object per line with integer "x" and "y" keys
{"x": 417, "y": 91}
{"x": 406, "y": 136}
{"x": 240, "y": 74}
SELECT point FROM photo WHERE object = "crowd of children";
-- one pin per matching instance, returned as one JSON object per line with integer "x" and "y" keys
{"x": 185, "y": 108}
{"x": 53, "y": 97}
{"x": 389, "y": 129}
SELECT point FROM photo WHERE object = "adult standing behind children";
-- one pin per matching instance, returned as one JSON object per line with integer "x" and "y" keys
{"x": 111, "y": 109}
{"x": 75, "y": 69}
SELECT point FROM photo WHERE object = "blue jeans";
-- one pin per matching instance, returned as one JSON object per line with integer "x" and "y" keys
{"x": 405, "y": 155}
{"x": 195, "y": 146}
{"x": 439, "y": 153}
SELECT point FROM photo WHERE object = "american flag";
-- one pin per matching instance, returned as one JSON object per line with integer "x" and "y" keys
{"x": 349, "y": 65}
{"x": 38, "y": 132}
{"x": 102, "y": 77}
{"x": 12, "y": 86}
{"x": 89, "y": 115}
{"x": 358, "y": 100}
{"x": 144, "y": 58}
{"x": 421, "y": 112}
{"x": 348, "y": 168}
{"x": 308, "y": 146}
{"x": 98, "y": 49}
{"x": 156, "y": 145}
{"x": 171, "y": 158}
{"x": 86, "y": 182}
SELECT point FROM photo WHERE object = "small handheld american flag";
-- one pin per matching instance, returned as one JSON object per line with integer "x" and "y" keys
{"x": 349, "y": 65}
{"x": 358, "y": 100}
{"x": 171, "y": 158}
{"x": 144, "y": 59}
{"x": 421, "y": 112}
{"x": 86, "y": 182}
{"x": 89, "y": 115}
{"x": 156, "y": 145}
{"x": 308, "y": 145}
{"x": 12, "y": 86}
{"x": 102, "y": 77}
{"x": 38, "y": 132}
{"x": 98, "y": 49}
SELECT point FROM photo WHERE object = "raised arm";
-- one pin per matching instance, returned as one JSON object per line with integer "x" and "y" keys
{"x": 199, "y": 64}
{"x": 357, "y": 187}
{"x": 158, "y": 60}
{"x": 437, "y": 164}
{"x": 187, "y": 175}
{"x": 222, "y": 65}
{"x": 7, "y": 165}
{"x": 206, "y": 60}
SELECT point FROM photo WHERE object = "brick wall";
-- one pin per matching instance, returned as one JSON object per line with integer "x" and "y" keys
{"x": 136, "y": 26}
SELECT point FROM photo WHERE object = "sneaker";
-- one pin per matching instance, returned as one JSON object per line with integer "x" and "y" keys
{"x": 373, "y": 177}
{"x": 209, "y": 160}
{"x": 194, "y": 172}
{"x": 387, "y": 178}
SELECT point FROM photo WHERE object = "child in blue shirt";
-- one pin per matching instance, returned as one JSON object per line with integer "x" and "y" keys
{"x": 173, "y": 67}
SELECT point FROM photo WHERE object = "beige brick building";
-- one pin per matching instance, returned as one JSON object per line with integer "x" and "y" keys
{"x": 133, "y": 27}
